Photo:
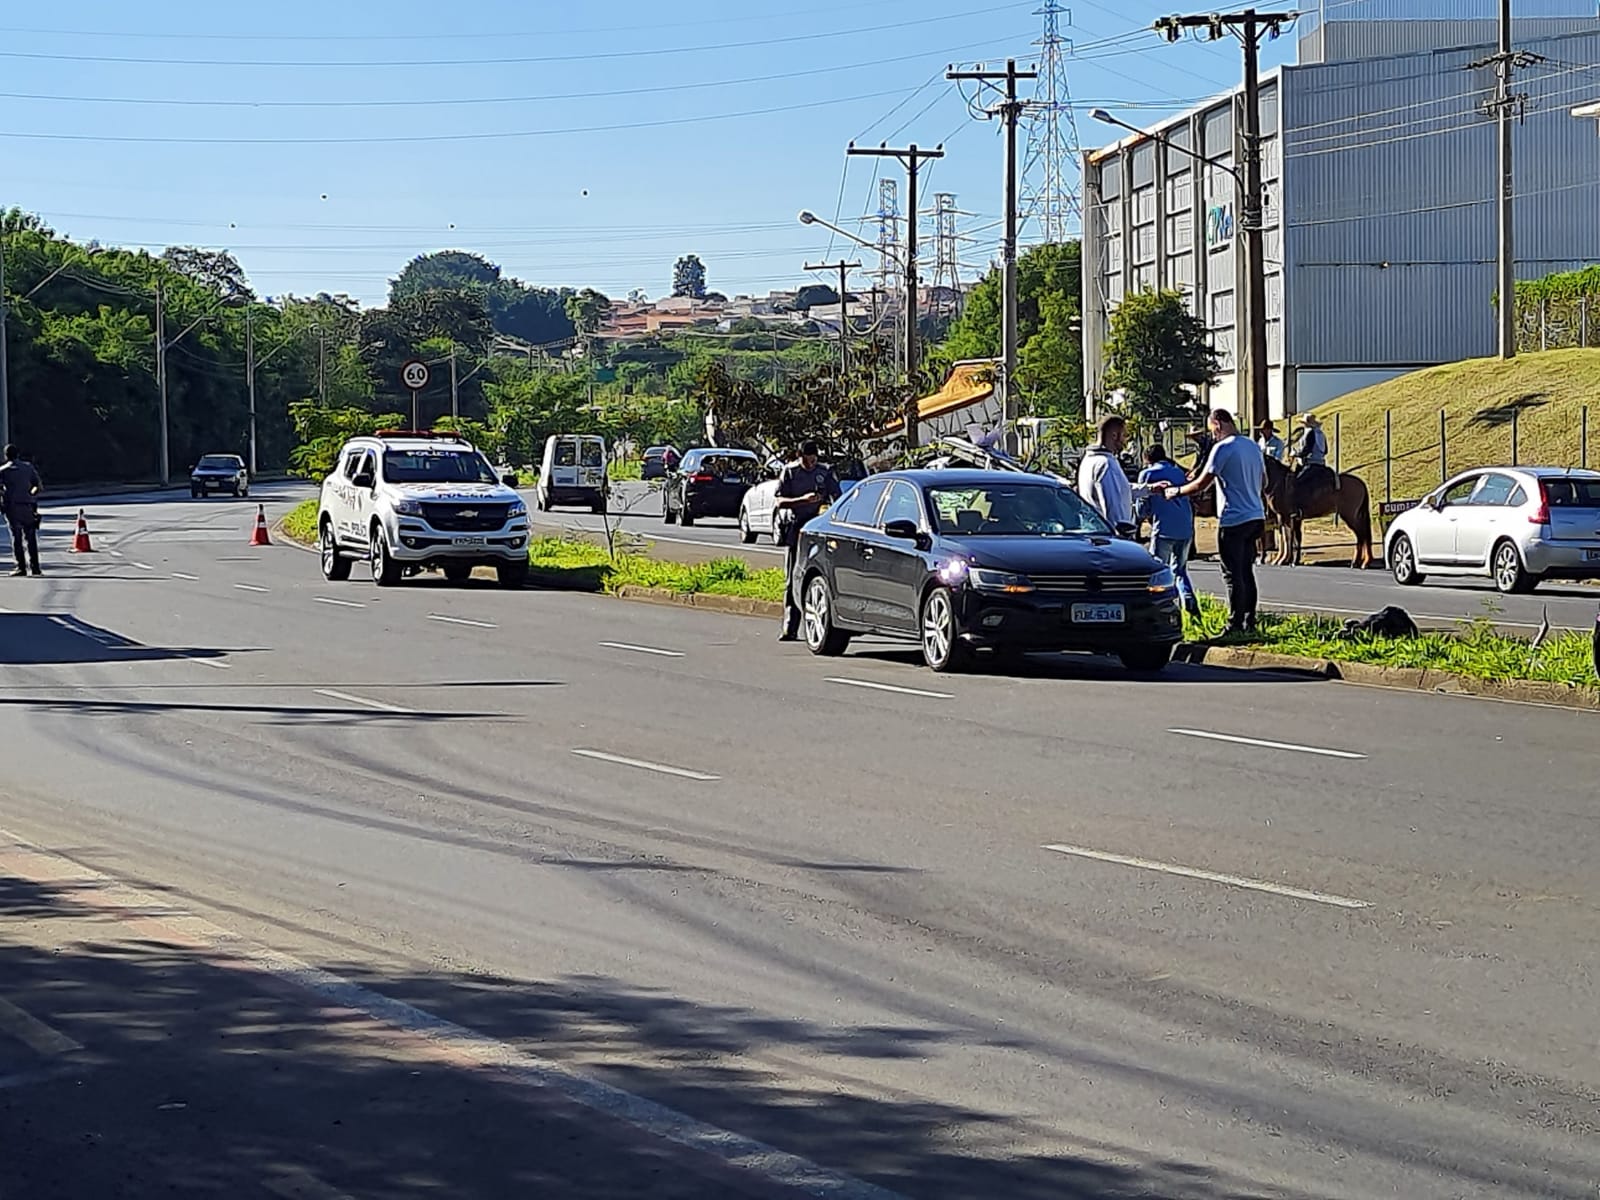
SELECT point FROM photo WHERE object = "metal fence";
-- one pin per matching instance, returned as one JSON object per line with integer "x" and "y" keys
{"x": 1558, "y": 323}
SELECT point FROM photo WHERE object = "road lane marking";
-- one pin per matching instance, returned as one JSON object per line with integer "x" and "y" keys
{"x": 1238, "y": 881}
{"x": 34, "y": 1033}
{"x": 116, "y": 554}
{"x": 424, "y": 1036}
{"x": 377, "y": 704}
{"x": 643, "y": 649}
{"x": 216, "y": 664}
{"x": 461, "y": 621}
{"x": 190, "y": 578}
{"x": 1249, "y": 741}
{"x": 340, "y": 603}
{"x": 250, "y": 587}
{"x": 292, "y": 1183}
{"x": 144, "y": 566}
{"x": 642, "y": 765}
{"x": 889, "y": 687}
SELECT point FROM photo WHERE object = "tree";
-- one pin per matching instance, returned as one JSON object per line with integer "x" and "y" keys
{"x": 1158, "y": 353}
{"x": 446, "y": 270}
{"x": 689, "y": 277}
{"x": 1050, "y": 363}
{"x": 587, "y": 309}
{"x": 216, "y": 270}
{"x": 532, "y": 314}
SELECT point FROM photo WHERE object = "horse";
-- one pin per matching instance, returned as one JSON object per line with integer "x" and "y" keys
{"x": 1293, "y": 498}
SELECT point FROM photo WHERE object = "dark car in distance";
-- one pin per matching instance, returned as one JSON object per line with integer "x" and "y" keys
{"x": 709, "y": 482}
{"x": 961, "y": 560}
{"x": 658, "y": 462}
{"x": 219, "y": 473}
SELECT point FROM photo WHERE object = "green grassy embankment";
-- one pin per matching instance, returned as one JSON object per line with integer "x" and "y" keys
{"x": 300, "y": 523}
{"x": 587, "y": 564}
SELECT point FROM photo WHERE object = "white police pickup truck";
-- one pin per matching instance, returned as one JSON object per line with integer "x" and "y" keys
{"x": 409, "y": 502}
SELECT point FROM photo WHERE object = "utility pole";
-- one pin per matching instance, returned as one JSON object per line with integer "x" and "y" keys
{"x": 455, "y": 391}
{"x": 1250, "y": 27}
{"x": 250, "y": 376}
{"x": 5, "y": 366}
{"x": 161, "y": 380}
{"x": 1010, "y": 111}
{"x": 322, "y": 367}
{"x": 844, "y": 268}
{"x": 912, "y": 157}
{"x": 1505, "y": 105}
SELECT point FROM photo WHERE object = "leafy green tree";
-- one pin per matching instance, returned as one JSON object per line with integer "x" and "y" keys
{"x": 526, "y": 407}
{"x": 446, "y": 270}
{"x": 689, "y": 277}
{"x": 1158, "y": 353}
{"x": 321, "y": 432}
{"x": 587, "y": 309}
{"x": 1050, "y": 363}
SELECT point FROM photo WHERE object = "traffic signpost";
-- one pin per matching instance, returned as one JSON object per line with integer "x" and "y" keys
{"x": 414, "y": 375}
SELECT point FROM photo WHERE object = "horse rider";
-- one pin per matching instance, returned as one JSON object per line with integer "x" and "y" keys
{"x": 1269, "y": 441}
{"x": 1311, "y": 448}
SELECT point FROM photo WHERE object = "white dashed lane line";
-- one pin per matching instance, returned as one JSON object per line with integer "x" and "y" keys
{"x": 643, "y": 649}
{"x": 1238, "y": 881}
{"x": 144, "y": 566}
{"x": 339, "y": 603}
{"x": 190, "y": 578}
{"x": 890, "y": 687}
{"x": 640, "y": 764}
{"x": 330, "y": 694}
{"x": 461, "y": 621}
{"x": 250, "y": 587}
{"x": 1249, "y": 741}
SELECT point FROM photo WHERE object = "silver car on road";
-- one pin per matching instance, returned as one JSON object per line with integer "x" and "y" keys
{"x": 1515, "y": 525}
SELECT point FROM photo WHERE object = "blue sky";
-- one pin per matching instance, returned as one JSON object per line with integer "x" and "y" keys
{"x": 328, "y": 143}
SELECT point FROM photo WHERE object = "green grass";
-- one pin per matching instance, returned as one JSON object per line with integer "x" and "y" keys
{"x": 585, "y": 564}
{"x": 301, "y": 522}
{"x": 1548, "y": 392}
{"x": 1476, "y": 649}
{"x": 628, "y": 468}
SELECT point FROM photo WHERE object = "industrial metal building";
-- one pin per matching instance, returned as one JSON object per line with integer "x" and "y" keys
{"x": 1380, "y": 170}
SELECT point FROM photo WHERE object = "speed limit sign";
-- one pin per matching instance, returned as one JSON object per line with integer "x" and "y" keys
{"x": 414, "y": 374}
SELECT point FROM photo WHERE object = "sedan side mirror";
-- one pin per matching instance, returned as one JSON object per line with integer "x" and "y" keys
{"x": 907, "y": 531}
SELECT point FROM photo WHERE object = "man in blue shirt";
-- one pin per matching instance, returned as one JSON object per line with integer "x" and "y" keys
{"x": 1171, "y": 521}
{"x": 1237, "y": 468}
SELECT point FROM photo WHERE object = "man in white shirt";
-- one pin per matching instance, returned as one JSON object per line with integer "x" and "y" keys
{"x": 1102, "y": 483}
{"x": 1238, "y": 470}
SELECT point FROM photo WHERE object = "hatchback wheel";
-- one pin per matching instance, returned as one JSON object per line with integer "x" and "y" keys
{"x": 1403, "y": 562}
{"x": 746, "y": 534}
{"x": 335, "y": 566}
{"x": 942, "y": 647}
{"x": 1509, "y": 574}
{"x": 822, "y": 638}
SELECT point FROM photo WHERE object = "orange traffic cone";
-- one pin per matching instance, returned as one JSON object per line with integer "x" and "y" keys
{"x": 80, "y": 539}
{"x": 259, "y": 537}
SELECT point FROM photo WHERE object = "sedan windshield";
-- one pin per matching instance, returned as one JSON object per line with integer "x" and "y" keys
{"x": 218, "y": 462}
{"x": 436, "y": 466}
{"x": 999, "y": 510}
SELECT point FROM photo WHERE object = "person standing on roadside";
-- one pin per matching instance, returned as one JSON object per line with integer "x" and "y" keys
{"x": 1102, "y": 483}
{"x": 803, "y": 488}
{"x": 1171, "y": 521}
{"x": 1237, "y": 469}
{"x": 19, "y": 498}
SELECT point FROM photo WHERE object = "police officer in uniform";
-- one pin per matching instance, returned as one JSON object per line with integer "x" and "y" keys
{"x": 803, "y": 488}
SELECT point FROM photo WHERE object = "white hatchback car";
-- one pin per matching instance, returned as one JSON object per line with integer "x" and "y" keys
{"x": 1515, "y": 525}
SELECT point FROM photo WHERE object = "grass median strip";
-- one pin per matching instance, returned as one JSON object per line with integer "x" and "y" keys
{"x": 1476, "y": 649}
{"x": 300, "y": 523}
{"x": 588, "y": 565}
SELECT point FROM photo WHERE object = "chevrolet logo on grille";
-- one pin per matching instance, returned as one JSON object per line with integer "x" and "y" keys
{"x": 466, "y": 513}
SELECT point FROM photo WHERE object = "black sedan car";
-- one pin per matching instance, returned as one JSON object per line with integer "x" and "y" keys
{"x": 658, "y": 462}
{"x": 959, "y": 560}
{"x": 219, "y": 473}
{"x": 709, "y": 482}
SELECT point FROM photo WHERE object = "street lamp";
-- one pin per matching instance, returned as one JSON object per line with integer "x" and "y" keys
{"x": 811, "y": 218}
{"x": 1251, "y": 370}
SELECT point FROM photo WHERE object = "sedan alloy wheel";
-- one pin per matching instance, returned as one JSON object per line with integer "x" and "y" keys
{"x": 942, "y": 648}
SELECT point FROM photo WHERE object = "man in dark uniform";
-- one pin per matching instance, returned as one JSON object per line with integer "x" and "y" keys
{"x": 803, "y": 488}
{"x": 19, "y": 498}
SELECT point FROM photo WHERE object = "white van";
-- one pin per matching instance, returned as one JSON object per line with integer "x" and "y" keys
{"x": 573, "y": 472}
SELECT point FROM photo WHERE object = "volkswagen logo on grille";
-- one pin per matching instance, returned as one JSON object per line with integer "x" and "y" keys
{"x": 1092, "y": 583}
{"x": 466, "y": 514}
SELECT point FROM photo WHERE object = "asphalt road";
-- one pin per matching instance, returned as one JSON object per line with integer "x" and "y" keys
{"x": 1336, "y": 591}
{"x": 1062, "y": 935}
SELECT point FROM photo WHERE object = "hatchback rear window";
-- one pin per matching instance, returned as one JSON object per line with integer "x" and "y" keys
{"x": 1572, "y": 493}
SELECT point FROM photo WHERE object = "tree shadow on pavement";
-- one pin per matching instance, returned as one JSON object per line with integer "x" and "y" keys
{"x": 198, "y": 1074}
{"x": 57, "y": 639}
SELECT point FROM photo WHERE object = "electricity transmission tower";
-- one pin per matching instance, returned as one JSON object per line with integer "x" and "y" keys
{"x": 887, "y": 276}
{"x": 1051, "y": 167}
{"x": 947, "y": 294}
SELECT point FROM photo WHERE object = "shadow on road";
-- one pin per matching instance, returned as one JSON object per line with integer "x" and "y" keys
{"x": 54, "y": 639}
{"x": 197, "y": 1075}
{"x": 1074, "y": 668}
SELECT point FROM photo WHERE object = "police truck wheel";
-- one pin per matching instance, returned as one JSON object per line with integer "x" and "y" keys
{"x": 512, "y": 575}
{"x": 335, "y": 566}
{"x": 385, "y": 571}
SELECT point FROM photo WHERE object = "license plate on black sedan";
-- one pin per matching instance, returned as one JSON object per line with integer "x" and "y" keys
{"x": 1099, "y": 614}
{"x": 1591, "y": 556}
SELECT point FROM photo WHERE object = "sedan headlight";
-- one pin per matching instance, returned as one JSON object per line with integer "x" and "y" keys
{"x": 519, "y": 509}
{"x": 408, "y": 508}
{"x": 986, "y": 580}
{"x": 1163, "y": 580}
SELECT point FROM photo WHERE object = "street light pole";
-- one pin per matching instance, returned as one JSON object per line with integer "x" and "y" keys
{"x": 161, "y": 382}
{"x": 1011, "y": 113}
{"x": 250, "y": 376}
{"x": 5, "y": 364}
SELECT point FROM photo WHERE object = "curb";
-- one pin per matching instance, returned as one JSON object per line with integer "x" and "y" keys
{"x": 742, "y": 606}
{"x": 1408, "y": 679}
